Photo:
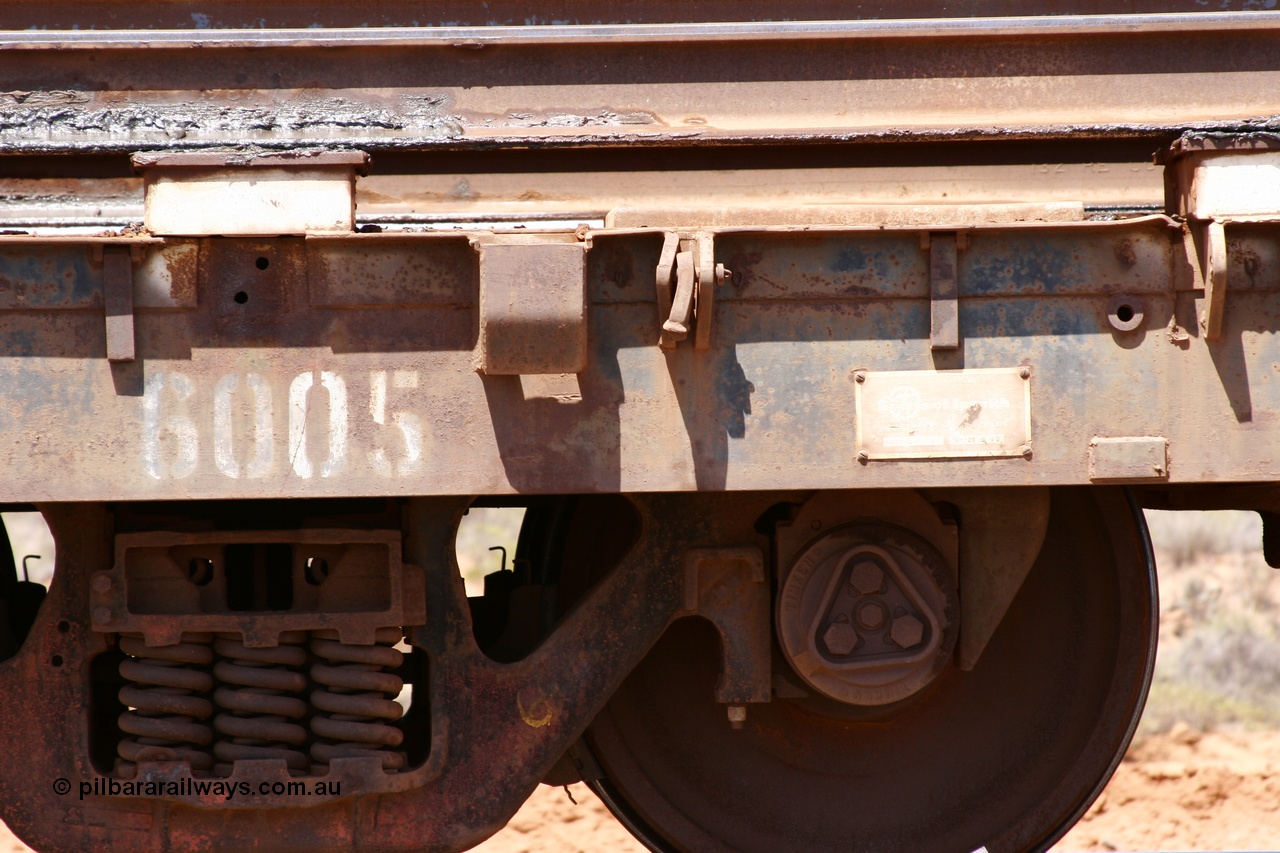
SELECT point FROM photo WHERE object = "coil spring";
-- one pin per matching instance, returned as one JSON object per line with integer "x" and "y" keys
{"x": 257, "y": 710}
{"x": 166, "y": 703}
{"x": 353, "y": 710}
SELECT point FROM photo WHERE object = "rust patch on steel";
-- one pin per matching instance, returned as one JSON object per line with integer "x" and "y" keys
{"x": 494, "y": 730}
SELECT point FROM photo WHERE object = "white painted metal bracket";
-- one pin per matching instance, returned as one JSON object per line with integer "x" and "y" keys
{"x": 237, "y": 193}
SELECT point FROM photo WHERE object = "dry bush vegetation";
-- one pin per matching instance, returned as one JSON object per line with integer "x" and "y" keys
{"x": 1219, "y": 658}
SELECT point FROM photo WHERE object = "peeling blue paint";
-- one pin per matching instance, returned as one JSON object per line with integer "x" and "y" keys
{"x": 31, "y": 278}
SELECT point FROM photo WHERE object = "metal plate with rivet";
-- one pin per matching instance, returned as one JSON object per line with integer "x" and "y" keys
{"x": 920, "y": 414}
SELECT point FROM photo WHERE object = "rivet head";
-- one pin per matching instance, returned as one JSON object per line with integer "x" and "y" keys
{"x": 101, "y": 583}
{"x": 101, "y": 614}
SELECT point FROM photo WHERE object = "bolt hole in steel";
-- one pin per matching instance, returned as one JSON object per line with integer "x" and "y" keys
{"x": 64, "y": 626}
{"x": 200, "y": 570}
{"x": 262, "y": 263}
{"x": 316, "y": 570}
{"x": 241, "y": 297}
{"x": 1006, "y": 756}
{"x": 1125, "y": 313}
{"x": 56, "y": 660}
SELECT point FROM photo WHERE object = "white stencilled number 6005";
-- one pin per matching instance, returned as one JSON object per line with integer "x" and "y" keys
{"x": 264, "y": 433}
{"x": 171, "y": 439}
{"x": 409, "y": 425}
{"x": 183, "y": 430}
{"x": 299, "y": 390}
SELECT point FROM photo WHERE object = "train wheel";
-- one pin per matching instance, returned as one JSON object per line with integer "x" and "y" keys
{"x": 1005, "y": 757}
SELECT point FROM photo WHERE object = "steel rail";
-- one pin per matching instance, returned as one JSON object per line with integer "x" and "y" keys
{"x": 478, "y": 37}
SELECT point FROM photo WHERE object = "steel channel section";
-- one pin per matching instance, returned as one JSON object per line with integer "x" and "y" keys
{"x": 273, "y": 14}
{"x": 1151, "y": 75}
{"x": 349, "y": 366}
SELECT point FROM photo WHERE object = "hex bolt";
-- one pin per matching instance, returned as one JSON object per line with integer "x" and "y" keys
{"x": 101, "y": 583}
{"x": 737, "y": 716}
{"x": 866, "y": 578}
{"x": 871, "y": 615}
{"x": 841, "y": 638}
{"x": 102, "y": 614}
{"x": 907, "y": 631}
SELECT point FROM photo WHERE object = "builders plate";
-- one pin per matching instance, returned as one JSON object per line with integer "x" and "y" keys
{"x": 924, "y": 414}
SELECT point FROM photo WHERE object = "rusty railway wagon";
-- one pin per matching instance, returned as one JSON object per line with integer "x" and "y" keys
{"x": 831, "y": 349}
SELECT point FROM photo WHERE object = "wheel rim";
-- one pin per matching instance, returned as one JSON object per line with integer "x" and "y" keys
{"x": 1007, "y": 756}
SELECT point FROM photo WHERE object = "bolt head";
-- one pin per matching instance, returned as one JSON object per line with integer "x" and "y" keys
{"x": 840, "y": 638}
{"x": 101, "y": 583}
{"x": 866, "y": 578}
{"x": 871, "y": 614}
{"x": 907, "y": 631}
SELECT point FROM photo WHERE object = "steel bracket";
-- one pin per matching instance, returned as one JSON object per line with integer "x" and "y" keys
{"x": 117, "y": 291}
{"x": 250, "y": 192}
{"x": 944, "y": 290}
{"x": 1001, "y": 534}
{"x": 728, "y": 587}
{"x": 1210, "y": 242}
{"x": 533, "y": 307}
{"x": 687, "y": 278}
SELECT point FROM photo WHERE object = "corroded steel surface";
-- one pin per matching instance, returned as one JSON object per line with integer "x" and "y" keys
{"x": 816, "y": 345}
{"x": 348, "y": 366}
{"x": 658, "y": 84}
{"x": 494, "y": 729}
{"x": 69, "y": 14}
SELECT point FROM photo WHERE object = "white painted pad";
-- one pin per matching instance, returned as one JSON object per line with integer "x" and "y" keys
{"x": 1229, "y": 185}
{"x": 250, "y": 202}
